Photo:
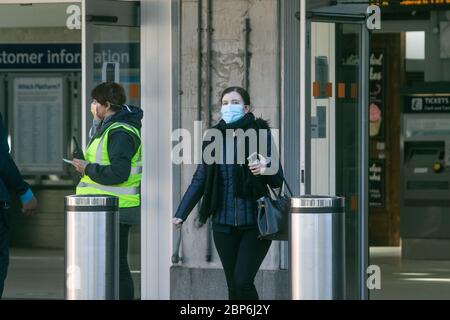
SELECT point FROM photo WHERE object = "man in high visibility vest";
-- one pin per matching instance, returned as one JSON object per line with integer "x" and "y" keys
{"x": 113, "y": 164}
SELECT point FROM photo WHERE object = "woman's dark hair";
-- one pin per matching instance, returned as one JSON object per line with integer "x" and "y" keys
{"x": 110, "y": 92}
{"x": 244, "y": 94}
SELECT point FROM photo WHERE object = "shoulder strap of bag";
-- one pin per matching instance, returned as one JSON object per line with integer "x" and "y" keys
{"x": 287, "y": 186}
{"x": 284, "y": 179}
{"x": 279, "y": 191}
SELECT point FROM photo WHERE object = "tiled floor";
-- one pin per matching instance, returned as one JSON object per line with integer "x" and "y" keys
{"x": 409, "y": 279}
{"x": 39, "y": 274}
{"x": 35, "y": 274}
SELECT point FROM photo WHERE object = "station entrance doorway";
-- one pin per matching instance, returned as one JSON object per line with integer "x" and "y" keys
{"x": 51, "y": 56}
{"x": 335, "y": 155}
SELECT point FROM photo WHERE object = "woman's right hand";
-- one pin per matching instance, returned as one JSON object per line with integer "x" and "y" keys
{"x": 177, "y": 222}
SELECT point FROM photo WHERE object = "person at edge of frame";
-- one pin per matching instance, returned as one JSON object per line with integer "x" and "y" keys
{"x": 10, "y": 180}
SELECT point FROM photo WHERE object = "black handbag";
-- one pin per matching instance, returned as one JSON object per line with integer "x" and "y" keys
{"x": 273, "y": 214}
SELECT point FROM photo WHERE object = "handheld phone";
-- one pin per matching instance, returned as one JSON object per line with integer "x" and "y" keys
{"x": 67, "y": 161}
{"x": 253, "y": 158}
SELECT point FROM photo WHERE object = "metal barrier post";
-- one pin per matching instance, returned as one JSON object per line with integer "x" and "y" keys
{"x": 92, "y": 247}
{"x": 317, "y": 248}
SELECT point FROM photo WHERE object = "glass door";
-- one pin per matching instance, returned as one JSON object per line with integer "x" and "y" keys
{"x": 40, "y": 66}
{"x": 111, "y": 42}
{"x": 111, "y": 52}
{"x": 336, "y": 122}
{"x": 52, "y": 54}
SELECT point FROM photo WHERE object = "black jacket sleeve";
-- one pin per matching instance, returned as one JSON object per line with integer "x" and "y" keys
{"x": 122, "y": 146}
{"x": 10, "y": 177}
{"x": 193, "y": 194}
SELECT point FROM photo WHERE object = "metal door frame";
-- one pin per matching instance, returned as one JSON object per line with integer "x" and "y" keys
{"x": 363, "y": 130}
{"x": 101, "y": 8}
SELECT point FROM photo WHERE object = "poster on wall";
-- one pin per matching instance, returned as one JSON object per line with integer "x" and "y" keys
{"x": 376, "y": 183}
{"x": 38, "y": 124}
{"x": 376, "y": 94}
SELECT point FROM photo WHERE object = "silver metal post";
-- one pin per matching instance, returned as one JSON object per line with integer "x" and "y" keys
{"x": 317, "y": 248}
{"x": 92, "y": 248}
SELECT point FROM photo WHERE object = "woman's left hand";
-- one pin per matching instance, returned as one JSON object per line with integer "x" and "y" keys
{"x": 260, "y": 166}
{"x": 80, "y": 165}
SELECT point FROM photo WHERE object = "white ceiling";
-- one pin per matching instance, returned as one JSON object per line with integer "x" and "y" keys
{"x": 36, "y": 15}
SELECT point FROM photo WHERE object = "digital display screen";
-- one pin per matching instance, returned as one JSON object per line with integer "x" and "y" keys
{"x": 413, "y": 4}
{"x": 410, "y": 2}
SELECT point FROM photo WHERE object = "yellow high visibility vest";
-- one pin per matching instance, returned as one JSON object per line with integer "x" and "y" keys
{"x": 128, "y": 192}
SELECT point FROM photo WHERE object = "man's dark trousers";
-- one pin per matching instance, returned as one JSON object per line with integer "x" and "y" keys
{"x": 4, "y": 248}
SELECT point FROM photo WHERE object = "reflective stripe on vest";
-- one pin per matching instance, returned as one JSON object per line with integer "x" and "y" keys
{"x": 117, "y": 190}
{"x": 136, "y": 170}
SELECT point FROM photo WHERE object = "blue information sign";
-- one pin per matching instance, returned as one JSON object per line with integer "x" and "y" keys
{"x": 66, "y": 55}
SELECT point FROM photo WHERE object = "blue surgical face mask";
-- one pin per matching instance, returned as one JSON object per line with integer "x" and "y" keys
{"x": 232, "y": 112}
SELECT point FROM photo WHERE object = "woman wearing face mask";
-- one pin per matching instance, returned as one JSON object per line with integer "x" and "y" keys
{"x": 229, "y": 194}
{"x": 116, "y": 137}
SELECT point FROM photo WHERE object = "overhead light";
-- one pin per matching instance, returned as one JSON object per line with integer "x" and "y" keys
{"x": 428, "y": 279}
{"x": 413, "y": 274}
